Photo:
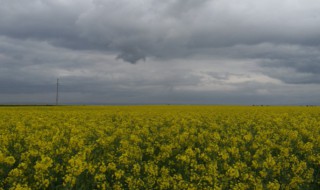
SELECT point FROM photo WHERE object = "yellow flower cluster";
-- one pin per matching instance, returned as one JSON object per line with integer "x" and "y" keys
{"x": 160, "y": 147}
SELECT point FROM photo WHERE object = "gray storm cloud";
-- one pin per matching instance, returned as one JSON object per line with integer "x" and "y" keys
{"x": 278, "y": 41}
{"x": 138, "y": 29}
{"x": 132, "y": 56}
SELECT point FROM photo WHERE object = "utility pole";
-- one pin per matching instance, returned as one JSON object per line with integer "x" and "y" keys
{"x": 57, "y": 95}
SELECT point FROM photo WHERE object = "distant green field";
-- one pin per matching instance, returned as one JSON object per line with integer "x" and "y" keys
{"x": 159, "y": 147}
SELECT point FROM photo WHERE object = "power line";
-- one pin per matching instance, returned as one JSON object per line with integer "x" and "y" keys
{"x": 57, "y": 95}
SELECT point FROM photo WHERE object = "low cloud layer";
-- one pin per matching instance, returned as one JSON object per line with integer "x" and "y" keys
{"x": 171, "y": 51}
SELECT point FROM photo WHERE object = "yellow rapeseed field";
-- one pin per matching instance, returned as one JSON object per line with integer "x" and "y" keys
{"x": 159, "y": 147}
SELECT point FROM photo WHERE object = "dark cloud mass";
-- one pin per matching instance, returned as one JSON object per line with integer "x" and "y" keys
{"x": 259, "y": 51}
{"x": 132, "y": 55}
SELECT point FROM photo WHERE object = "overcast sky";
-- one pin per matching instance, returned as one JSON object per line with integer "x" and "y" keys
{"x": 160, "y": 52}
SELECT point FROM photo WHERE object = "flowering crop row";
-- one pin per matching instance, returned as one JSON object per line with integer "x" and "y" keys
{"x": 159, "y": 147}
